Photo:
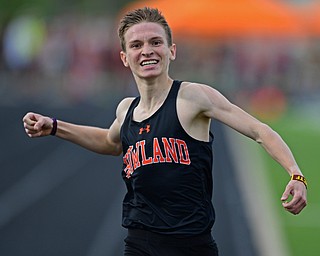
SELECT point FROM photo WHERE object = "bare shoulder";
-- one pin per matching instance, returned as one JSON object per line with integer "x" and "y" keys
{"x": 200, "y": 94}
{"x": 188, "y": 88}
{"x": 123, "y": 107}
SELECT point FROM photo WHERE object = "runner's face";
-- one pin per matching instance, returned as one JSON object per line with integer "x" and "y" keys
{"x": 147, "y": 52}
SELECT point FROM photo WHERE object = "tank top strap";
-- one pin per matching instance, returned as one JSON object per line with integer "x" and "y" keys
{"x": 172, "y": 95}
{"x": 174, "y": 89}
{"x": 132, "y": 106}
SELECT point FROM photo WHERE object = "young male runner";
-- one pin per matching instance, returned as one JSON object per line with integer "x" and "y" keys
{"x": 164, "y": 136}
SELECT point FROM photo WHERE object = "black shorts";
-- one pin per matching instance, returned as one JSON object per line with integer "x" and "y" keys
{"x": 145, "y": 243}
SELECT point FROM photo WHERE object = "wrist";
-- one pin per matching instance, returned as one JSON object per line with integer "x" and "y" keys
{"x": 300, "y": 178}
{"x": 54, "y": 126}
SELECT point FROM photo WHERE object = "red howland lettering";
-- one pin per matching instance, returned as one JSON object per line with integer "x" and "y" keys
{"x": 145, "y": 161}
{"x": 157, "y": 154}
{"x": 170, "y": 149}
{"x": 128, "y": 162}
{"x": 166, "y": 150}
{"x": 135, "y": 157}
{"x": 183, "y": 152}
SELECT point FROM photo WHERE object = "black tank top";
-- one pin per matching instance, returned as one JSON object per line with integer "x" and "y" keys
{"x": 168, "y": 174}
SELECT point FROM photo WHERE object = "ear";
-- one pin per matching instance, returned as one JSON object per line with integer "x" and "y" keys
{"x": 123, "y": 57}
{"x": 173, "y": 51}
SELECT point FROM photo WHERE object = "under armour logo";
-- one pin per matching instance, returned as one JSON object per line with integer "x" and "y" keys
{"x": 146, "y": 129}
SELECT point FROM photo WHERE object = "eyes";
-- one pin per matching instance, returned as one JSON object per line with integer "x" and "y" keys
{"x": 135, "y": 45}
{"x": 157, "y": 43}
{"x": 138, "y": 44}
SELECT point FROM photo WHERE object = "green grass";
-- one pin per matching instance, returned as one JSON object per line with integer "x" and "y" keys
{"x": 302, "y": 135}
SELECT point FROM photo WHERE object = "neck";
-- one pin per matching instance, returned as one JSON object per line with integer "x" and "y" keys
{"x": 154, "y": 91}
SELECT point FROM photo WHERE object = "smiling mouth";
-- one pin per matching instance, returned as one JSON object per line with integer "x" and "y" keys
{"x": 149, "y": 62}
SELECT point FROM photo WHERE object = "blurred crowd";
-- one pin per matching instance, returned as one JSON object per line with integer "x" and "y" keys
{"x": 74, "y": 59}
{"x": 71, "y": 59}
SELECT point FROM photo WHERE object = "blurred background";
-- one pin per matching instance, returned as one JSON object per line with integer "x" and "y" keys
{"x": 61, "y": 58}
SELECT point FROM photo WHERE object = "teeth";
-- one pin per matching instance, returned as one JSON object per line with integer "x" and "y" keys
{"x": 149, "y": 62}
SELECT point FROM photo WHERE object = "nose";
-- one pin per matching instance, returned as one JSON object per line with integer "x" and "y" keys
{"x": 147, "y": 51}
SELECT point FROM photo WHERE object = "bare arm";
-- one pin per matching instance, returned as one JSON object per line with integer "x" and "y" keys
{"x": 214, "y": 105}
{"x": 99, "y": 140}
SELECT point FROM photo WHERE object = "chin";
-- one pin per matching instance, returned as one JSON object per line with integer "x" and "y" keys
{"x": 150, "y": 75}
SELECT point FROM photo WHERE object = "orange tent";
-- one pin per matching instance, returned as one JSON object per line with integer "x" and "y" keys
{"x": 225, "y": 18}
{"x": 310, "y": 16}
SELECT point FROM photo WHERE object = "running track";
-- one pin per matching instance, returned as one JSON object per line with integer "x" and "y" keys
{"x": 57, "y": 199}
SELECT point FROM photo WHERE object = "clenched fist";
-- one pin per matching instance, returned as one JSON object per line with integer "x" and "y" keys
{"x": 37, "y": 125}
